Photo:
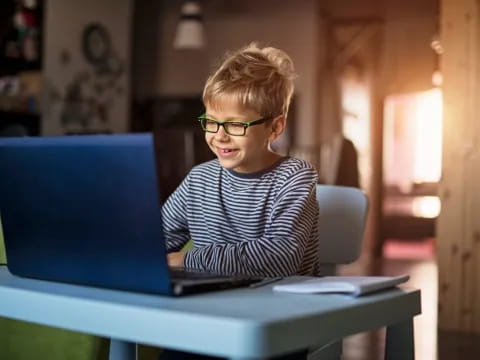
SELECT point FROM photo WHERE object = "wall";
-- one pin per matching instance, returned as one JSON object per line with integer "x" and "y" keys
{"x": 408, "y": 60}
{"x": 297, "y": 27}
{"x": 232, "y": 24}
{"x": 78, "y": 96}
{"x": 458, "y": 227}
{"x": 390, "y": 40}
{"x": 402, "y": 30}
{"x": 147, "y": 16}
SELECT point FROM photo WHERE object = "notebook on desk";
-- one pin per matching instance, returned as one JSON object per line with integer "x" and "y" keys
{"x": 86, "y": 210}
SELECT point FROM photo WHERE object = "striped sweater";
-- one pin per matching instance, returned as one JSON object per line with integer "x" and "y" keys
{"x": 255, "y": 224}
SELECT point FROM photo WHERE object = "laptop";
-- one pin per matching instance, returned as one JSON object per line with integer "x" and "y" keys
{"x": 86, "y": 210}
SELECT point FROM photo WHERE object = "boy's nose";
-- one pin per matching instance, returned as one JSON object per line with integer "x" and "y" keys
{"x": 221, "y": 134}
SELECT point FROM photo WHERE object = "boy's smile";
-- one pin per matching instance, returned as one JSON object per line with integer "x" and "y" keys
{"x": 244, "y": 154}
{"x": 226, "y": 152}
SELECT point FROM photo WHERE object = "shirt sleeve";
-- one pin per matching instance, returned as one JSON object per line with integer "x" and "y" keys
{"x": 174, "y": 218}
{"x": 280, "y": 251}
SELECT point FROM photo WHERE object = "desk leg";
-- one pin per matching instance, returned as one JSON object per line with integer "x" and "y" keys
{"x": 332, "y": 351}
{"x": 399, "y": 341}
{"x": 300, "y": 355}
{"x": 122, "y": 350}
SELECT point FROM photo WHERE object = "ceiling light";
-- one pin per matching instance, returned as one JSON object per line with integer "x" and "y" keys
{"x": 190, "y": 33}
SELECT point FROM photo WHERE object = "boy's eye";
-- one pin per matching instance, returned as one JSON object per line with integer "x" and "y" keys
{"x": 210, "y": 123}
{"x": 235, "y": 126}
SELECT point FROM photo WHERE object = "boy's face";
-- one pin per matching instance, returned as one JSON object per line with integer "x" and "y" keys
{"x": 244, "y": 154}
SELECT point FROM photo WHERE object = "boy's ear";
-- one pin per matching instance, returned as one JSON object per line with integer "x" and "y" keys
{"x": 277, "y": 127}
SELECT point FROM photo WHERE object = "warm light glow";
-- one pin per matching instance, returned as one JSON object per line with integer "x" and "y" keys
{"x": 428, "y": 137}
{"x": 437, "y": 78}
{"x": 426, "y": 206}
{"x": 413, "y": 139}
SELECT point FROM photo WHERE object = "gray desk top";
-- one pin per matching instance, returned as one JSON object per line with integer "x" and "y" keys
{"x": 243, "y": 322}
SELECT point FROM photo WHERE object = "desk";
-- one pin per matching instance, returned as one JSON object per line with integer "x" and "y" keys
{"x": 239, "y": 324}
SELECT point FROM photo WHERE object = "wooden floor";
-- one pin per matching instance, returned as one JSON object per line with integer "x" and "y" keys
{"x": 428, "y": 344}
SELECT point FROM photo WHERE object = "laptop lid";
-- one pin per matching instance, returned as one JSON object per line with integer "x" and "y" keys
{"x": 84, "y": 209}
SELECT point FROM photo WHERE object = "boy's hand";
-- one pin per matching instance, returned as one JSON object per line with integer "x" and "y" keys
{"x": 176, "y": 258}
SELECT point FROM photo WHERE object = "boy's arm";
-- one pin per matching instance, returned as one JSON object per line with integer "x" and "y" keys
{"x": 280, "y": 251}
{"x": 174, "y": 218}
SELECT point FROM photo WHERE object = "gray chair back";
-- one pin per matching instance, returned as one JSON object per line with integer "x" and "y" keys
{"x": 341, "y": 225}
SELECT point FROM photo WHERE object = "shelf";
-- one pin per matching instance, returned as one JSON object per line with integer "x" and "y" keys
{"x": 29, "y": 121}
{"x": 17, "y": 114}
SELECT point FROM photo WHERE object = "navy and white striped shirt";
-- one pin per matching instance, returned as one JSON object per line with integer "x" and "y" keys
{"x": 256, "y": 224}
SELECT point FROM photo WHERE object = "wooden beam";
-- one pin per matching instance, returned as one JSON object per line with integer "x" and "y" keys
{"x": 355, "y": 21}
{"x": 358, "y": 41}
{"x": 458, "y": 226}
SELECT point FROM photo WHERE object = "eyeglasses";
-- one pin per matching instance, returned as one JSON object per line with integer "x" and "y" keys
{"x": 233, "y": 128}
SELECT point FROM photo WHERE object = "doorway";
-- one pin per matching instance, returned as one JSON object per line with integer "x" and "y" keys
{"x": 412, "y": 149}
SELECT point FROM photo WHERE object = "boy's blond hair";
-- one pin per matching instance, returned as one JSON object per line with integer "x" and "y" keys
{"x": 259, "y": 79}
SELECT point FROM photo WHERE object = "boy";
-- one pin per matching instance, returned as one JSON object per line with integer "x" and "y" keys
{"x": 250, "y": 211}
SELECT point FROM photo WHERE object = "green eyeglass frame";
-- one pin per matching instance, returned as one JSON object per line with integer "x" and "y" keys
{"x": 233, "y": 128}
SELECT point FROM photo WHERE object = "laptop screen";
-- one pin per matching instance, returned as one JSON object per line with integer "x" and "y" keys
{"x": 84, "y": 209}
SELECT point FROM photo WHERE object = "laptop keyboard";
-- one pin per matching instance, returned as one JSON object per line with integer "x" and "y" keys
{"x": 189, "y": 274}
{"x": 188, "y": 281}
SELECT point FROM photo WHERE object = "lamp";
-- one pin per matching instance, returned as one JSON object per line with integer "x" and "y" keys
{"x": 190, "y": 33}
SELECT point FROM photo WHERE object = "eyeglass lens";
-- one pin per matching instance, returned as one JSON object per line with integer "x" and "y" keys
{"x": 231, "y": 128}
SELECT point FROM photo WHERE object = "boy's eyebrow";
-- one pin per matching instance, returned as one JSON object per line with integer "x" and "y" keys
{"x": 237, "y": 118}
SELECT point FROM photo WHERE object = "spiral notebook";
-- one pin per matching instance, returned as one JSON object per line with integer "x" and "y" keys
{"x": 352, "y": 285}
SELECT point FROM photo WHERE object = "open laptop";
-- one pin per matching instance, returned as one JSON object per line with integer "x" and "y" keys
{"x": 86, "y": 210}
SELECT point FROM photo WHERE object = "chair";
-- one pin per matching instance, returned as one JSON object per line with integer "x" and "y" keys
{"x": 341, "y": 225}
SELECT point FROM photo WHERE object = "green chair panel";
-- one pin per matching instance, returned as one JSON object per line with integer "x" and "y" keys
{"x": 26, "y": 341}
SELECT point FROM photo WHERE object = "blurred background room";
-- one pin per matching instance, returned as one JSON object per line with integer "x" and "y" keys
{"x": 385, "y": 101}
